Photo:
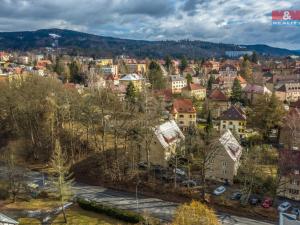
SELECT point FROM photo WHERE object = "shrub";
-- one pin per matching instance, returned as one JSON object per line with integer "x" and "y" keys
{"x": 111, "y": 211}
{"x": 4, "y": 194}
{"x": 43, "y": 195}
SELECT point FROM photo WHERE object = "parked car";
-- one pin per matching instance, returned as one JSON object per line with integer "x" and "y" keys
{"x": 267, "y": 203}
{"x": 236, "y": 196}
{"x": 219, "y": 190}
{"x": 295, "y": 211}
{"x": 189, "y": 183}
{"x": 283, "y": 207}
{"x": 254, "y": 200}
{"x": 142, "y": 165}
{"x": 179, "y": 172}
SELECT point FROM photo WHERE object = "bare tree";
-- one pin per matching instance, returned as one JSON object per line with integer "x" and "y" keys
{"x": 16, "y": 181}
{"x": 62, "y": 178}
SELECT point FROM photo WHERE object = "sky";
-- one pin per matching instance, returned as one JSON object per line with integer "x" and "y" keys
{"x": 226, "y": 21}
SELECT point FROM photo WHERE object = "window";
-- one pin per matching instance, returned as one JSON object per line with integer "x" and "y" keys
{"x": 181, "y": 116}
{"x": 294, "y": 192}
{"x": 224, "y": 126}
{"x": 224, "y": 172}
{"x": 230, "y": 123}
{"x": 224, "y": 163}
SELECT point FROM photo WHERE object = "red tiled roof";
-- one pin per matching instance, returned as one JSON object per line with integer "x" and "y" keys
{"x": 193, "y": 86}
{"x": 166, "y": 94}
{"x": 241, "y": 79}
{"x": 218, "y": 95}
{"x": 183, "y": 106}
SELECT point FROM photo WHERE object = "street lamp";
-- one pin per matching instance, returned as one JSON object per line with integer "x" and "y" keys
{"x": 136, "y": 194}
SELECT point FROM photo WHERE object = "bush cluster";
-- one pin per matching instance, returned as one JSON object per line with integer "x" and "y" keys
{"x": 113, "y": 212}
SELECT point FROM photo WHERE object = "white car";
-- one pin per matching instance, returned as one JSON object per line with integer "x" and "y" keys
{"x": 220, "y": 190}
{"x": 179, "y": 172}
{"x": 284, "y": 206}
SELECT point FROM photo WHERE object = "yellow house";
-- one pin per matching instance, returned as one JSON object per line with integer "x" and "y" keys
{"x": 134, "y": 78}
{"x": 139, "y": 68}
{"x": 233, "y": 119}
{"x": 184, "y": 113}
{"x": 104, "y": 62}
{"x": 194, "y": 90}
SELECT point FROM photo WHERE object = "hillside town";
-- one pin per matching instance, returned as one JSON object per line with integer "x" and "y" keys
{"x": 223, "y": 131}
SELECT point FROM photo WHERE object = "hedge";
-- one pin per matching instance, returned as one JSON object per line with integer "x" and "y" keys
{"x": 124, "y": 215}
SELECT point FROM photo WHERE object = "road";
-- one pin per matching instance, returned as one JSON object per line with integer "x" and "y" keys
{"x": 158, "y": 208}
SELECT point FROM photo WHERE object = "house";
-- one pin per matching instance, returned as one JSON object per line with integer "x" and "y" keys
{"x": 167, "y": 139}
{"x": 184, "y": 113}
{"x": 4, "y": 57}
{"x": 210, "y": 66}
{"x": 110, "y": 70}
{"x": 290, "y": 130}
{"x": 104, "y": 62}
{"x": 5, "y": 220}
{"x": 176, "y": 83}
{"x": 139, "y": 68}
{"x": 234, "y": 119}
{"x": 253, "y": 91}
{"x": 228, "y": 70}
{"x": 194, "y": 91}
{"x": 137, "y": 80}
{"x": 112, "y": 79}
{"x": 217, "y": 102}
{"x": 289, "y": 170}
{"x": 289, "y": 92}
{"x": 226, "y": 159}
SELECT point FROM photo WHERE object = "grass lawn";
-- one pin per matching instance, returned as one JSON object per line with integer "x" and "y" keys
{"x": 33, "y": 204}
{"x": 76, "y": 216}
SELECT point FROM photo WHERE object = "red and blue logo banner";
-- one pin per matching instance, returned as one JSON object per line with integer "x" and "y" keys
{"x": 286, "y": 17}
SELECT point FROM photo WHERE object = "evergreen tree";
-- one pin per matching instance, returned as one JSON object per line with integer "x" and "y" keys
{"x": 155, "y": 76}
{"x": 168, "y": 63}
{"x": 209, "y": 123}
{"x": 131, "y": 93}
{"x": 210, "y": 82}
{"x": 189, "y": 78}
{"x": 75, "y": 75}
{"x": 183, "y": 64}
{"x": 236, "y": 95}
{"x": 246, "y": 69}
{"x": 254, "y": 58}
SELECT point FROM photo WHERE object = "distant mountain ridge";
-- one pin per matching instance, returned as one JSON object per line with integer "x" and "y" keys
{"x": 74, "y": 42}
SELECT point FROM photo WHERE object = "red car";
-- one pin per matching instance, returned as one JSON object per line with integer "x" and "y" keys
{"x": 267, "y": 203}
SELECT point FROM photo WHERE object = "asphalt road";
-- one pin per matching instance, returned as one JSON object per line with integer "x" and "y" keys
{"x": 158, "y": 208}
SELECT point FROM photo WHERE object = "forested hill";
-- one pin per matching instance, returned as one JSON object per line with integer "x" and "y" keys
{"x": 93, "y": 45}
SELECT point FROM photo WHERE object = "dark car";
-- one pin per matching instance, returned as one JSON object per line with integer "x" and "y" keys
{"x": 254, "y": 200}
{"x": 236, "y": 196}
